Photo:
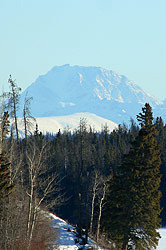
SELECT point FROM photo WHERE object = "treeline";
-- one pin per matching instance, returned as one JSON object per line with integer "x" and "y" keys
{"x": 93, "y": 168}
{"x": 92, "y": 179}
{"x": 86, "y": 161}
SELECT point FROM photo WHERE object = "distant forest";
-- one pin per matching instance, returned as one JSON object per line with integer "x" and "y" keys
{"x": 68, "y": 173}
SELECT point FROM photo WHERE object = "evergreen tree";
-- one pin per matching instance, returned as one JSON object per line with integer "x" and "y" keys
{"x": 162, "y": 142}
{"x": 5, "y": 184}
{"x": 5, "y": 180}
{"x": 133, "y": 208}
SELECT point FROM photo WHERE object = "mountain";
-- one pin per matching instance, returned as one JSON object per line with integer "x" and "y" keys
{"x": 54, "y": 123}
{"x": 66, "y": 90}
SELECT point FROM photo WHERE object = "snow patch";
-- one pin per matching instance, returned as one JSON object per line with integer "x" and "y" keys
{"x": 81, "y": 78}
{"x": 64, "y": 104}
{"x": 119, "y": 99}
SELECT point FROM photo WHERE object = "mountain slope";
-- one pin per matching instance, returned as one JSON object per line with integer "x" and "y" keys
{"x": 66, "y": 90}
{"x": 54, "y": 123}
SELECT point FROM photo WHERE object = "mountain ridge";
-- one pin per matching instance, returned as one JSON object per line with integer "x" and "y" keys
{"x": 69, "y": 123}
{"x": 66, "y": 90}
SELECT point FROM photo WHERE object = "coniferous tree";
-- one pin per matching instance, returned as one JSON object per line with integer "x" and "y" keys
{"x": 133, "y": 206}
{"x": 162, "y": 142}
{"x": 5, "y": 182}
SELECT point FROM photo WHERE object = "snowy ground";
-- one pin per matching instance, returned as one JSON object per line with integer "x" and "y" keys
{"x": 67, "y": 236}
{"x": 162, "y": 242}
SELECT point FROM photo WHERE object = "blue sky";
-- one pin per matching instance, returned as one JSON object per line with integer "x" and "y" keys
{"x": 127, "y": 36}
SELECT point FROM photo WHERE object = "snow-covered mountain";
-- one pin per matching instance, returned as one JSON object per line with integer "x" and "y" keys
{"x": 70, "y": 122}
{"x": 66, "y": 90}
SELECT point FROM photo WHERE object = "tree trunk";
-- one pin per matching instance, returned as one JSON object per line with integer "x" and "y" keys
{"x": 15, "y": 118}
{"x": 32, "y": 227}
{"x": 92, "y": 207}
{"x": 96, "y": 183}
{"x": 30, "y": 204}
{"x": 25, "y": 125}
{"x": 125, "y": 245}
{"x": 125, "y": 241}
{"x": 100, "y": 211}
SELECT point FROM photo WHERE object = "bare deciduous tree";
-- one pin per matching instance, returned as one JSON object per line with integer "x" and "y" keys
{"x": 13, "y": 96}
{"x": 38, "y": 188}
{"x": 101, "y": 201}
{"x": 28, "y": 119}
{"x": 96, "y": 183}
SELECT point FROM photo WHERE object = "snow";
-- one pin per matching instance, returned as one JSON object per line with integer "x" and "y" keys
{"x": 64, "y": 104}
{"x": 71, "y": 122}
{"x": 67, "y": 236}
{"x": 162, "y": 241}
{"x": 81, "y": 78}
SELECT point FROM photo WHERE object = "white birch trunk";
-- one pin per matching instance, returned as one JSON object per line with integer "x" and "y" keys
{"x": 100, "y": 211}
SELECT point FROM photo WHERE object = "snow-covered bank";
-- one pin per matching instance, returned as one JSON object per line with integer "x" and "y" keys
{"x": 67, "y": 236}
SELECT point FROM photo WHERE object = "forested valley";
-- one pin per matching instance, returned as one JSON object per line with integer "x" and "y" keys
{"x": 92, "y": 179}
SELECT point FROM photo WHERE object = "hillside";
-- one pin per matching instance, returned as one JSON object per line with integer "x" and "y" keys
{"x": 70, "y": 122}
{"x": 67, "y": 236}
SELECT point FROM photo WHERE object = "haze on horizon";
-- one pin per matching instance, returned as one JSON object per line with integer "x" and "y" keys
{"x": 125, "y": 36}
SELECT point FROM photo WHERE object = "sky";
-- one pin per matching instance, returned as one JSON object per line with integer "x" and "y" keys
{"x": 126, "y": 36}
